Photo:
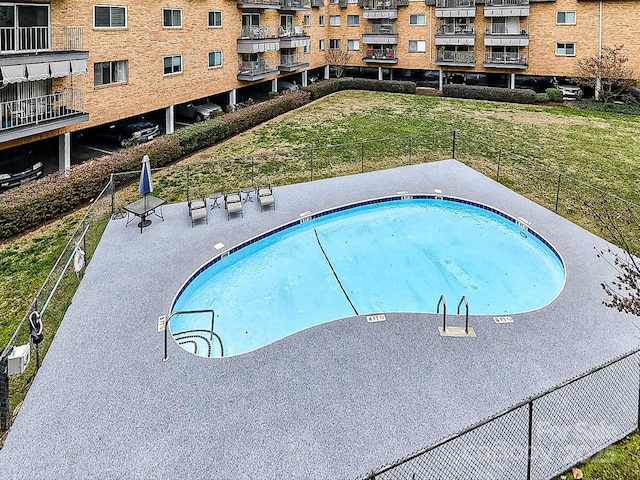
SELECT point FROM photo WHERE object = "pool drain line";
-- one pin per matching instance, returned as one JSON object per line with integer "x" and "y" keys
{"x": 334, "y": 272}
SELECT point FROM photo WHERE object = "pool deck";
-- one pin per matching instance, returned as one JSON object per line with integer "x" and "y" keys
{"x": 334, "y": 401}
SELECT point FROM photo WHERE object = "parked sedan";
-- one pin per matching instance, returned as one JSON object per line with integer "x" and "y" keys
{"x": 128, "y": 131}
{"x": 197, "y": 111}
{"x": 569, "y": 92}
{"x": 18, "y": 169}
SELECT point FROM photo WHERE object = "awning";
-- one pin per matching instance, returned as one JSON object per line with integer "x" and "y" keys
{"x": 60, "y": 69}
{"x": 13, "y": 74}
{"x": 38, "y": 71}
{"x": 78, "y": 66}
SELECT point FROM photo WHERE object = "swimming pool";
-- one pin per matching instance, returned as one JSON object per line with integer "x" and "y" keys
{"x": 396, "y": 254}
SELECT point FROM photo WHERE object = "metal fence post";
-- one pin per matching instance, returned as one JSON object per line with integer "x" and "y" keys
{"x": 5, "y": 414}
{"x": 410, "y": 145}
{"x": 453, "y": 145}
{"x": 530, "y": 440}
{"x": 113, "y": 195}
{"x": 253, "y": 159}
{"x": 558, "y": 191}
{"x": 498, "y": 172}
{"x": 362, "y": 156}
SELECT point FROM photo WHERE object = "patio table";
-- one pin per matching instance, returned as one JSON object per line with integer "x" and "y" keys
{"x": 144, "y": 207}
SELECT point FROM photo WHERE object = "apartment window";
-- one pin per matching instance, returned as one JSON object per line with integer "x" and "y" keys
{"x": 106, "y": 73}
{"x": 306, "y": 20}
{"x": 215, "y": 18}
{"x": 172, "y": 17}
{"x": 333, "y": 1}
{"x": 353, "y": 44}
{"x": 334, "y": 20}
{"x": 172, "y": 64}
{"x": 321, "y": 20}
{"x": 321, "y": 44}
{"x": 417, "y": 46}
{"x": 353, "y": 20}
{"x": 417, "y": 19}
{"x": 107, "y": 16}
{"x": 566, "y": 49}
{"x": 306, "y": 48}
{"x": 215, "y": 58}
{"x": 334, "y": 43}
{"x": 566, "y": 18}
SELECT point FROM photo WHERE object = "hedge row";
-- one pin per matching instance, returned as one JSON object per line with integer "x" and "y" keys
{"x": 494, "y": 94}
{"x": 29, "y": 206}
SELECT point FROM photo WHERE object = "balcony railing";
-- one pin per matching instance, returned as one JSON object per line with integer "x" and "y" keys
{"x": 446, "y": 56}
{"x": 500, "y": 58}
{"x": 256, "y": 33}
{"x": 384, "y": 55}
{"x": 35, "y": 110}
{"x": 293, "y": 59}
{"x": 292, "y": 32}
{"x": 378, "y": 4}
{"x": 259, "y": 3}
{"x": 450, "y": 29}
{"x": 295, "y": 4}
{"x": 254, "y": 68}
{"x": 455, "y": 3}
{"x": 378, "y": 29}
{"x": 317, "y": 3}
{"x": 38, "y": 39}
{"x": 502, "y": 29}
{"x": 506, "y": 3}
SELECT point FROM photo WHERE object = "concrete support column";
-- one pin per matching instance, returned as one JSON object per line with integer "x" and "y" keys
{"x": 440, "y": 79}
{"x": 380, "y": 76}
{"x": 391, "y": 74}
{"x": 274, "y": 85}
{"x": 232, "y": 98}
{"x": 326, "y": 72}
{"x": 169, "y": 120}
{"x": 305, "y": 79}
{"x": 64, "y": 153}
{"x": 512, "y": 81}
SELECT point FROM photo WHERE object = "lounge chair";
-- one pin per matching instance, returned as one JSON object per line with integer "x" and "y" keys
{"x": 198, "y": 210}
{"x": 233, "y": 204}
{"x": 265, "y": 197}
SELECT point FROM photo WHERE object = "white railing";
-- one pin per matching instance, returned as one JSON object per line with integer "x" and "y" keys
{"x": 506, "y": 3}
{"x": 451, "y": 29}
{"x": 38, "y": 39}
{"x": 455, "y": 3}
{"x": 506, "y": 59}
{"x": 456, "y": 57}
{"x": 297, "y": 31}
{"x": 288, "y": 60}
{"x": 251, "y": 68}
{"x": 255, "y": 32}
{"x": 35, "y": 110}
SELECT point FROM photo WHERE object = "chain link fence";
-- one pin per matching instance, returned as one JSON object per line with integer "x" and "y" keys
{"x": 540, "y": 437}
{"x": 532, "y": 437}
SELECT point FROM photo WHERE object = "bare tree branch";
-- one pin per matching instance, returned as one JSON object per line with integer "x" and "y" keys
{"x": 607, "y": 73}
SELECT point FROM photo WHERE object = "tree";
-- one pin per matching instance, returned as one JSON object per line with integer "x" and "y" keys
{"x": 338, "y": 59}
{"x": 606, "y": 73}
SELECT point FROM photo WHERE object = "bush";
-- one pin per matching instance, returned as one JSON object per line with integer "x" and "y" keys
{"x": 495, "y": 94}
{"x": 392, "y": 86}
{"x": 554, "y": 94}
{"x": 322, "y": 88}
{"x": 201, "y": 135}
{"x": 594, "y": 105}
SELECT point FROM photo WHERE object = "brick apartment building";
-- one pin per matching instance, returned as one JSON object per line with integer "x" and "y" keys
{"x": 73, "y": 64}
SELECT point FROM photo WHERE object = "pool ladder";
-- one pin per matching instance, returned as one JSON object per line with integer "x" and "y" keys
{"x": 443, "y": 302}
{"x": 194, "y": 333}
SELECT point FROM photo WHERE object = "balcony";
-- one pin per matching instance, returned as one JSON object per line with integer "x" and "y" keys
{"x": 290, "y": 62}
{"x": 295, "y": 5}
{"x": 294, "y": 37}
{"x": 259, "y": 4}
{"x": 31, "y": 116}
{"x": 250, "y": 71}
{"x": 506, "y": 8}
{"x": 455, "y": 8}
{"x": 317, "y": 3}
{"x": 373, "y": 9}
{"x": 505, "y": 60}
{"x": 452, "y": 34}
{"x": 256, "y": 40}
{"x": 380, "y": 35}
{"x": 384, "y": 55}
{"x": 501, "y": 35}
{"x": 456, "y": 59}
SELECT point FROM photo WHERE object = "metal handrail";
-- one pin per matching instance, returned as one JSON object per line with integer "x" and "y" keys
{"x": 444, "y": 312}
{"x": 466, "y": 321}
{"x": 186, "y": 312}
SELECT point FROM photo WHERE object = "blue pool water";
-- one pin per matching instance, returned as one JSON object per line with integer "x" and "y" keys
{"x": 391, "y": 256}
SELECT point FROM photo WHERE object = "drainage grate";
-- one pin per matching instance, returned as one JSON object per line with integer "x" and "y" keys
{"x": 507, "y": 319}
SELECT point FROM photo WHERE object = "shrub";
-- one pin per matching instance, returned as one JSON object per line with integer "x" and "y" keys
{"x": 554, "y": 94}
{"x": 594, "y": 105}
{"x": 392, "y": 86}
{"x": 322, "y": 88}
{"x": 495, "y": 94}
{"x": 201, "y": 135}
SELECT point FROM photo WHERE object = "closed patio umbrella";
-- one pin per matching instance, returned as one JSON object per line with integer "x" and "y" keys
{"x": 146, "y": 186}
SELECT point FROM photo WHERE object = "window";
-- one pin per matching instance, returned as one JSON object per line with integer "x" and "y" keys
{"x": 215, "y": 58}
{"x": 334, "y": 20}
{"x": 353, "y": 44}
{"x": 306, "y": 48}
{"x": 353, "y": 20}
{"x": 334, "y": 43}
{"x": 417, "y": 19}
{"x": 172, "y": 17}
{"x": 566, "y": 49}
{"x": 321, "y": 20}
{"x": 172, "y": 64}
{"x": 106, "y": 73}
{"x": 106, "y": 16}
{"x": 417, "y": 46}
{"x": 566, "y": 18}
{"x": 306, "y": 20}
{"x": 215, "y": 18}
{"x": 321, "y": 44}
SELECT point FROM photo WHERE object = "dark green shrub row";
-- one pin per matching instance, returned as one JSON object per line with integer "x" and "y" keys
{"x": 200, "y": 135}
{"x": 392, "y": 86}
{"x": 494, "y": 94}
{"x": 554, "y": 94}
{"x": 596, "y": 106}
{"x": 323, "y": 88}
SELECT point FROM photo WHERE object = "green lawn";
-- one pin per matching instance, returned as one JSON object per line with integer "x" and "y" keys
{"x": 596, "y": 148}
